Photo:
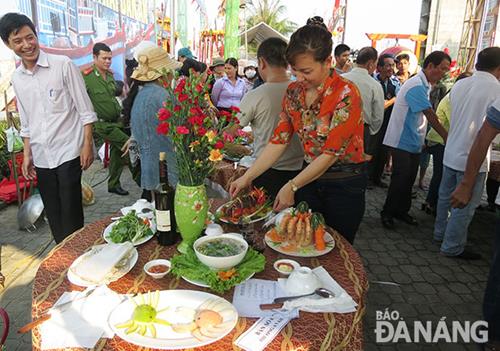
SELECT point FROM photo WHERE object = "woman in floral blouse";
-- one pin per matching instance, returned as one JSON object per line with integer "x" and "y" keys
{"x": 325, "y": 110}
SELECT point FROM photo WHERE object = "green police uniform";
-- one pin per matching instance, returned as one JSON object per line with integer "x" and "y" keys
{"x": 108, "y": 127}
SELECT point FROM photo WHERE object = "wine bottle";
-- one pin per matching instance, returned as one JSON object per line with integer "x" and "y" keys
{"x": 164, "y": 207}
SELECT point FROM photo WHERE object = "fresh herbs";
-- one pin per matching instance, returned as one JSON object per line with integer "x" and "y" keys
{"x": 130, "y": 228}
{"x": 188, "y": 265}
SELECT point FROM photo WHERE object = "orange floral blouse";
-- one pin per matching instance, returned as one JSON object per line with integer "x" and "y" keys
{"x": 333, "y": 124}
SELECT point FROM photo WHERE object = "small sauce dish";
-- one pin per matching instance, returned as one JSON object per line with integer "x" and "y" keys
{"x": 285, "y": 266}
{"x": 157, "y": 268}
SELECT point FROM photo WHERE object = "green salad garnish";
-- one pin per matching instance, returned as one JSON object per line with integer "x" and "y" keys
{"x": 130, "y": 228}
{"x": 188, "y": 266}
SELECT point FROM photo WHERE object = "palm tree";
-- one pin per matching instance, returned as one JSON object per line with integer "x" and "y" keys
{"x": 270, "y": 12}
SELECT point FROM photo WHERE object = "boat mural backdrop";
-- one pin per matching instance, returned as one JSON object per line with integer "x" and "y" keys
{"x": 71, "y": 27}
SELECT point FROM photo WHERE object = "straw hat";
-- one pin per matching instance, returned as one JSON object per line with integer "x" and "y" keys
{"x": 152, "y": 61}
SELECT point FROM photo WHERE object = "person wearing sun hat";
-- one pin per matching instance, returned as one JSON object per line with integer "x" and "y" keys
{"x": 217, "y": 72}
{"x": 145, "y": 98}
{"x": 217, "y": 68}
{"x": 184, "y": 53}
{"x": 250, "y": 73}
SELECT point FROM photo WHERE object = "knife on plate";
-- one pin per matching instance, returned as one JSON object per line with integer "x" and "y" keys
{"x": 46, "y": 316}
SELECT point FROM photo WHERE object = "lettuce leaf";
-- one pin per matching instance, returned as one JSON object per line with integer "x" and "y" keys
{"x": 188, "y": 265}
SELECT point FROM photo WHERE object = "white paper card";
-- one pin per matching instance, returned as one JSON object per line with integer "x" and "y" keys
{"x": 254, "y": 292}
{"x": 259, "y": 335}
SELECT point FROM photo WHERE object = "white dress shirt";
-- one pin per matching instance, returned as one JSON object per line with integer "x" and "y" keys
{"x": 372, "y": 96}
{"x": 53, "y": 106}
{"x": 470, "y": 99}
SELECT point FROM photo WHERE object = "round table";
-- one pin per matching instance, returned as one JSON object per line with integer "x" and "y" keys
{"x": 312, "y": 331}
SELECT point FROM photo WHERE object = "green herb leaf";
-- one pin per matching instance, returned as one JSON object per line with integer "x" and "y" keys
{"x": 188, "y": 265}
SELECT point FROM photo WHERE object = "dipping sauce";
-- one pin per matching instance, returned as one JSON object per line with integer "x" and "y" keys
{"x": 285, "y": 267}
{"x": 159, "y": 268}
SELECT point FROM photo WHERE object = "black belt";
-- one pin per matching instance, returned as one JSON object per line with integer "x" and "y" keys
{"x": 343, "y": 170}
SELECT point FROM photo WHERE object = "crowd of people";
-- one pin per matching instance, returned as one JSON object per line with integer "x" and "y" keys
{"x": 325, "y": 128}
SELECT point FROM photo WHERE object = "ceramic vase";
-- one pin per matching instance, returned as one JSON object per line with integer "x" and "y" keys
{"x": 191, "y": 210}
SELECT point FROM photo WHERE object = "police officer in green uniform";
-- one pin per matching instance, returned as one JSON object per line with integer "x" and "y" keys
{"x": 101, "y": 89}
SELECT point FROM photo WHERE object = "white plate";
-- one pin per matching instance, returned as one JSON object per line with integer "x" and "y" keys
{"x": 205, "y": 285}
{"x": 308, "y": 251}
{"x": 107, "y": 231}
{"x": 254, "y": 221}
{"x": 166, "y": 338}
{"x": 74, "y": 279}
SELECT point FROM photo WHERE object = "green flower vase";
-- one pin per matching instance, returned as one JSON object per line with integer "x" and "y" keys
{"x": 191, "y": 210}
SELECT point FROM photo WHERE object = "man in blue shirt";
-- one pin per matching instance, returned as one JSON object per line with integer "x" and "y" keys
{"x": 390, "y": 85}
{"x": 461, "y": 197}
{"x": 405, "y": 135}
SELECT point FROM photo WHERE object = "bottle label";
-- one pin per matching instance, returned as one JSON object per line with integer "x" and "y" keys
{"x": 163, "y": 223}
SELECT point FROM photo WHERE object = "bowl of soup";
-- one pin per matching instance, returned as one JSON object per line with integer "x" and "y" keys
{"x": 220, "y": 252}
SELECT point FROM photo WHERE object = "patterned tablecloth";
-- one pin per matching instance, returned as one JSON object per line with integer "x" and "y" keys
{"x": 312, "y": 331}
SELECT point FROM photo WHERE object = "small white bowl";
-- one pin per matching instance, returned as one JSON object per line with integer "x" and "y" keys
{"x": 302, "y": 281}
{"x": 292, "y": 263}
{"x": 159, "y": 262}
{"x": 220, "y": 263}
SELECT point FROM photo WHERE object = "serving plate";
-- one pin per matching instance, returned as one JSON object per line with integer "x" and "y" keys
{"x": 127, "y": 267}
{"x": 166, "y": 338}
{"x": 108, "y": 229}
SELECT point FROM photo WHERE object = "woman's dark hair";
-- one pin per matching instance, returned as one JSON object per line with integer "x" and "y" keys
{"x": 311, "y": 39}
{"x": 129, "y": 101}
{"x": 233, "y": 62}
{"x": 130, "y": 65}
{"x": 191, "y": 64}
{"x": 12, "y": 22}
{"x": 119, "y": 84}
{"x": 488, "y": 59}
{"x": 316, "y": 21}
{"x": 436, "y": 57}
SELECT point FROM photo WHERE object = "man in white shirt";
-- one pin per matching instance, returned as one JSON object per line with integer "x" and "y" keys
{"x": 469, "y": 98}
{"x": 56, "y": 124}
{"x": 261, "y": 107}
{"x": 462, "y": 195}
{"x": 405, "y": 136}
{"x": 372, "y": 95}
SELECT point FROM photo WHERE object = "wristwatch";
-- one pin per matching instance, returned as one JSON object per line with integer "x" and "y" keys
{"x": 293, "y": 186}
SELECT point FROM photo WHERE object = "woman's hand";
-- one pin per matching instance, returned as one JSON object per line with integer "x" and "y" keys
{"x": 238, "y": 185}
{"x": 284, "y": 199}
